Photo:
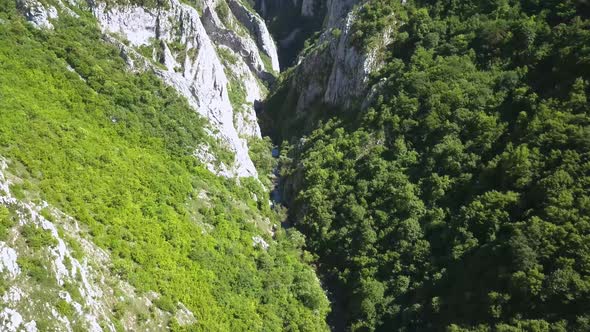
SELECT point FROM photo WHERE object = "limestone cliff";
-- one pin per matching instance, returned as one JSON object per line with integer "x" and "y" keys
{"x": 187, "y": 44}
{"x": 202, "y": 54}
{"x": 331, "y": 71}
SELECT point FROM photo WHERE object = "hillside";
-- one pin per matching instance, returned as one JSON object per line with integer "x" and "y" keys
{"x": 129, "y": 197}
{"x": 436, "y": 154}
{"x": 294, "y": 165}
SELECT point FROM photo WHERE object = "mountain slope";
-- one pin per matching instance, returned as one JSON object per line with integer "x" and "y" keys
{"x": 436, "y": 156}
{"x": 113, "y": 217}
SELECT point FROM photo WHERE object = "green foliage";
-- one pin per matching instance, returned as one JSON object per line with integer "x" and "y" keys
{"x": 227, "y": 55}
{"x": 74, "y": 292}
{"x": 6, "y": 222}
{"x": 18, "y": 191}
{"x": 261, "y": 154}
{"x": 154, "y": 52}
{"x": 373, "y": 18}
{"x": 237, "y": 93}
{"x": 74, "y": 246}
{"x": 224, "y": 12}
{"x": 113, "y": 149}
{"x": 267, "y": 61}
{"x": 65, "y": 309}
{"x": 166, "y": 304}
{"x": 336, "y": 33}
{"x": 460, "y": 199}
{"x": 35, "y": 269}
{"x": 3, "y": 286}
{"x": 44, "y": 325}
{"x": 36, "y": 237}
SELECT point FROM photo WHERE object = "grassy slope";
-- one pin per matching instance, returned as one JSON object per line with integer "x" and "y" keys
{"x": 113, "y": 150}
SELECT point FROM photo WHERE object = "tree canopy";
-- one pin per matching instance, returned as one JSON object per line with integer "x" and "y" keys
{"x": 460, "y": 199}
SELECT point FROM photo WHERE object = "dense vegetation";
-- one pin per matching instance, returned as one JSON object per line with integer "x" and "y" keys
{"x": 460, "y": 200}
{"x": 114, "y": 150}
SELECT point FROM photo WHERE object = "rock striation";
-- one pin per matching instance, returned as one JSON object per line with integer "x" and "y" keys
{"x": 203, "y": 54}
{"x": 335, "y": 72}
{"x": 187, "y": 45}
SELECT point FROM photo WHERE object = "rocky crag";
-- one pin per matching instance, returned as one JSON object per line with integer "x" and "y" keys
{"x": 204, "y": 55}
{"x": 329, "y": 71}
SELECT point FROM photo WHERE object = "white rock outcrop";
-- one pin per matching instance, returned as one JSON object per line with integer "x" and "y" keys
{"x": 260, "y": 242}
{"x": 336, "y": 72}
{"x": 10, "y": 320}
{"x": 257, "y": 28}
{"x": 36, "y": 13}
{"x": 186, "y": 44}
{"x": 8, "y": 257}
{"x": 31, "y": 326}
{"x": 13, "y": 295}
{"x": 241, "y": 45}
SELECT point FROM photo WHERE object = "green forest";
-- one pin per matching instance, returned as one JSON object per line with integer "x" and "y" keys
{"x": 114, "y": 149}
{"x": 460, "y": 199}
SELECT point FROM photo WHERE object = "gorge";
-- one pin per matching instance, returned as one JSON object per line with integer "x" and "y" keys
{"x": 294, "y": 165}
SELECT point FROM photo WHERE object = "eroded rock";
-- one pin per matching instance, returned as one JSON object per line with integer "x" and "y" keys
{"x": 186, "y": 46}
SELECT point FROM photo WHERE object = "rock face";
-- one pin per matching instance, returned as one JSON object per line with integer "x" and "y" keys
{"x": 36, "y": 13}
{"x": 291, "y": 23}
{"x": 187, "y": 44}
{"x": 338, "y": 10}
{"x": 257, "y": 28}
{"x": 203, "y": 57}
{"x": 335, "y": 72}
{"x": 330, "y": 75}
{"x": 308, "y": 8}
